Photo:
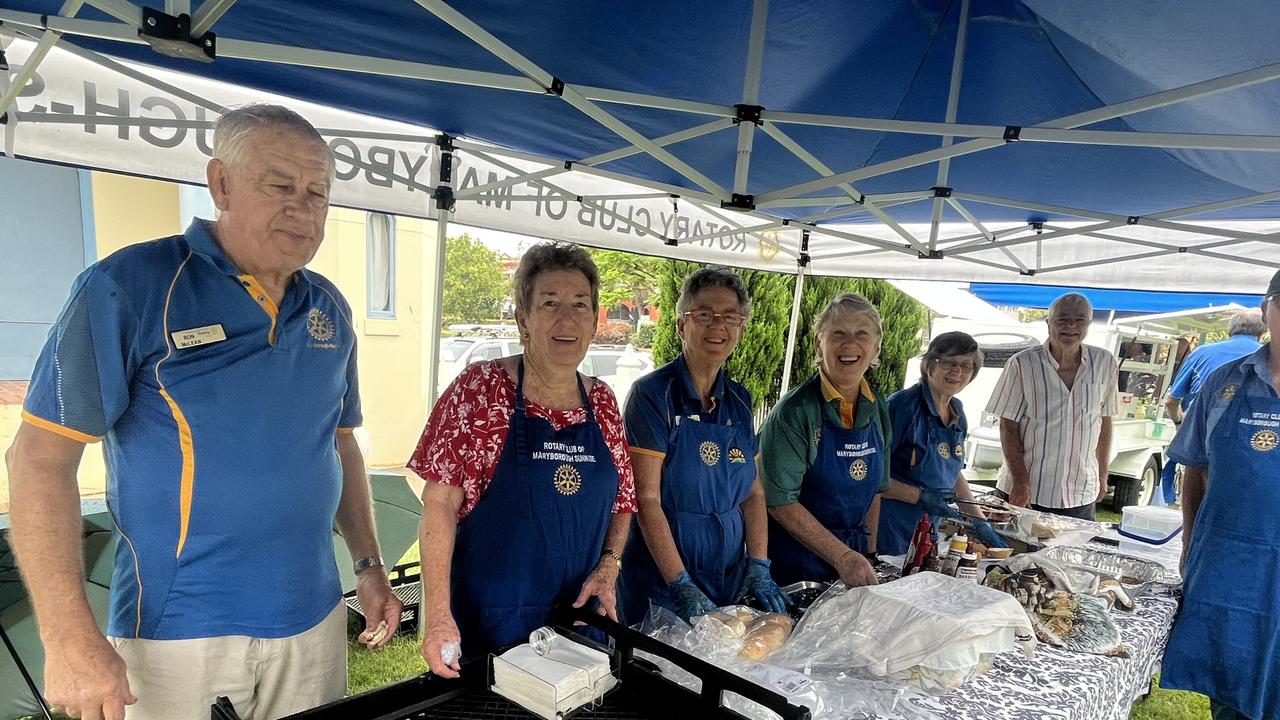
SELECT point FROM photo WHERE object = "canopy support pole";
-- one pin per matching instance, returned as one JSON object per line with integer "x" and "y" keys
{"x": 953, "y": 100}
{"x": 812, "y": 161}
{"x": 209, "y": 12}
{"x": 26, "y": 676}
{"x": 1107, "y": 112}
{"x": 750, "y": 97}
{"x": 801, "y": 266}
{"x": 433, "y": 300}
{"x": 577, "y": 100}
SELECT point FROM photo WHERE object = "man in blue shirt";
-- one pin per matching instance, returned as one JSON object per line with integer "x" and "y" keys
{"x": 221, "y": 376}
{"x": 1223, "y": 643}
{"x": 1245, "y": 335}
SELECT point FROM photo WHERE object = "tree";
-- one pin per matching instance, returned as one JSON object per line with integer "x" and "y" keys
{"x": 627, "y": 277}
{"x": 757, "y": 361}
{"x": 903, "y": 320}
{"x": 474, "y": 285}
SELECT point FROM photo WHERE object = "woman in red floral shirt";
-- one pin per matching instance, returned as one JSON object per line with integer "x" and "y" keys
{"x": 529, "y": 488}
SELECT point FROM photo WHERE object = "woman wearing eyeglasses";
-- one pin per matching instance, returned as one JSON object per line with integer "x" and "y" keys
{"x": 702, "y": 539}
{"x": 927, "y": 451}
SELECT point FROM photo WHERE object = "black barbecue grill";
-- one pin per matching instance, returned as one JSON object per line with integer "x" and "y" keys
{"x": 642, "y": 693}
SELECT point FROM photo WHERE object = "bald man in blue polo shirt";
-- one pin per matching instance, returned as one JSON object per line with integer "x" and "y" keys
{"x": 221, "y": 376}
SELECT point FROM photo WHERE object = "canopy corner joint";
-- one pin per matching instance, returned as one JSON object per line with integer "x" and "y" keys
{"x": 171, "y": 35}
{"x": 739, "y": 201}
{"x": 748, "y": 113}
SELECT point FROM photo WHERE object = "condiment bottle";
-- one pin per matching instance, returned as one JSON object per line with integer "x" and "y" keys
{"x": 933, "y": 563}
{"x": 968, "y": 568}
{"x": 914, "y": 560}
{"x": 959, "y": 543}
{"x": 923, "y": 553}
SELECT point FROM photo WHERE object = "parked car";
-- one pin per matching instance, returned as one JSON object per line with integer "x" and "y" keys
{"x": 460, "y": 351}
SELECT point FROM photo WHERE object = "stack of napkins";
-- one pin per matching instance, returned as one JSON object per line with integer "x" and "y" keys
{"x": 569, "y": 676}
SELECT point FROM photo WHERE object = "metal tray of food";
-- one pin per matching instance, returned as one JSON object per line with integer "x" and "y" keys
{"x": 1130, "y": 571}
{"x": 800, "y": 595}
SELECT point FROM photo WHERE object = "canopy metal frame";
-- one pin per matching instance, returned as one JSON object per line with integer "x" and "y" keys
{"x": 749, "y": 211}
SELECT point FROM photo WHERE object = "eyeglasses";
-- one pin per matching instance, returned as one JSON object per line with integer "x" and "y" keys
{"x": 953, "y": 366}
{"x": 1064, "y": 322}
{"x": 706, "y": 317}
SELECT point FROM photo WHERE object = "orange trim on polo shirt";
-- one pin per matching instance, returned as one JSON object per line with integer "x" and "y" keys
{"x": 346, "y": 431}
{"x": 646, "y": 451}
{"x": 829, "y": 393}
{"x": 263, "y": 298}
{"x": 187, "y": 479}
{"x": 57, "y": 429}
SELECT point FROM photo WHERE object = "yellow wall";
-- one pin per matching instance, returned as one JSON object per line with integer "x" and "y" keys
{"x": 393, "y": 394}
{"x": 128, "y": 210}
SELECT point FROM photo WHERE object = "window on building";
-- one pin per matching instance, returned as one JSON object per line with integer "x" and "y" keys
{"x": 380, "y": 239}
{"x": 194, "y": 201}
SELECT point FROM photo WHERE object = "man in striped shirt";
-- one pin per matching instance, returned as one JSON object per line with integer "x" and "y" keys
{"x": 1055, "y": 404}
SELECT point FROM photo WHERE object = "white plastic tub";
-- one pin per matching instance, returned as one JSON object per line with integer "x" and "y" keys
{"x": 1151, "y": 525}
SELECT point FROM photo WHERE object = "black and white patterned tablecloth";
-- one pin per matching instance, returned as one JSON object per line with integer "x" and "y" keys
{"x": 1060, "y": 684}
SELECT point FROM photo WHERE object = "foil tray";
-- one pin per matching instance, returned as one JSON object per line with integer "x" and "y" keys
{"x": 1130, "y": 571}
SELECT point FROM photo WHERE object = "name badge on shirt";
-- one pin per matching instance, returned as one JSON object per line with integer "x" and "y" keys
{"x": 207, "y": 335}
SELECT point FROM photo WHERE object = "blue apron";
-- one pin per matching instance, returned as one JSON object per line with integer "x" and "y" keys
{"x": 837, "y": 490}
{"x": 936, "y": 469}
{"x": 537, "y": 532}
{"x": 706, "y": 476}
{"x": 1225, "y": 642}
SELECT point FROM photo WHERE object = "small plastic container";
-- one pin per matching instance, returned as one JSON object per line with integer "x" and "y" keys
{"x": 1150, "y": 525}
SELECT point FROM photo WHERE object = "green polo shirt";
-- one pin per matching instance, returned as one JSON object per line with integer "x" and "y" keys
{"x": 787, "y": 447}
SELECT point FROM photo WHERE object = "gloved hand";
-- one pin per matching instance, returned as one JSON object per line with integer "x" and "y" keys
{"x": 689, "y": 602}
{"x": 935, "y": 502}
{"x": 987, "y": 535}
{"x": 759, "y": 584}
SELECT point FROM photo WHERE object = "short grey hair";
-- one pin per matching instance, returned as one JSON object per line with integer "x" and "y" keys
{"x": 1070, "y": 299}
{"x": 1248, "y": 322}
{"x": 951, "y": 344}
{"x": 232, "y": 131}
{"x": 712, "y": 277}
{"x": 851, "y": 303}
{"x": 548, "y": 256}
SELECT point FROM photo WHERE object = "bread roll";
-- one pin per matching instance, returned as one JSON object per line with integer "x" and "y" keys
{"x": 765, "y": 635}
{"x": 738, "y": 627}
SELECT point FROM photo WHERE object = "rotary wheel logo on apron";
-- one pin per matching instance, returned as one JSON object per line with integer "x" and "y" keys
{"x": 944, "y": 450}
{"x": 1228, "y": 392}
{"x": 858, "y": 470}
{"x": 1264, "y": 440}
{"x": 567, "y": 479}
{"x": 709, "y": 452}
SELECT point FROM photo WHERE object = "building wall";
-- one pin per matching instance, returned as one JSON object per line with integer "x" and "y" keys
{"x": 128, "y": 210}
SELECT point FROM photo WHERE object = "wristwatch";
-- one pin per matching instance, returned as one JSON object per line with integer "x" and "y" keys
{"x": 613, "y": 554}
{"x": 365, "y": 563}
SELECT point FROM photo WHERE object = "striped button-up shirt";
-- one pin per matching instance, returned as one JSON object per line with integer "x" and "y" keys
{"x": 1059, "y": 426}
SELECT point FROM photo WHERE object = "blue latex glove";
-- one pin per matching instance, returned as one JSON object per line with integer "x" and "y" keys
{"x": 759, "y": 585}
{"x": 687, "y": 600}
{"x": 987, "y": 535}
{"x": 935, "y": 502}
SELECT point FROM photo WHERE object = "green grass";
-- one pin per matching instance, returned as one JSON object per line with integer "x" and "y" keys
{"x": 1164, "y": 704}
{"x": 367, "y": 669}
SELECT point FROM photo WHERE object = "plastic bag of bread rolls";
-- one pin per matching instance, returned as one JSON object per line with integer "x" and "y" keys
{"x": 765, "y": 635}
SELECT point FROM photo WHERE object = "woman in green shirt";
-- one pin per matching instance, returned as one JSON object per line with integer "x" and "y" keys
{"x": 823, "y": 460}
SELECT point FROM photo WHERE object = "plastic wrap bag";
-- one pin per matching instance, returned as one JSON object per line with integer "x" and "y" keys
{"x": 829, "y": 695}
{"x": 927, "y": 631}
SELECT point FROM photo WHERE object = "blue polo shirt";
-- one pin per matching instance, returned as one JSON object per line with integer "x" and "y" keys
{"x": 658, "y": 400}
{"x": 1202, "y": 361}
{"x": 1248, "y": 375}
{"x": 219, "y": 413}
{"x": 913, "y": 415}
